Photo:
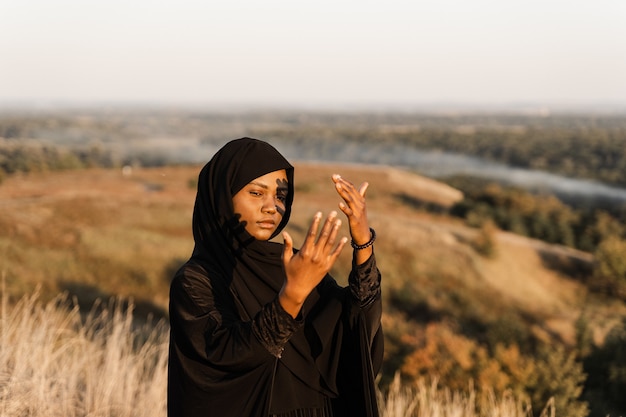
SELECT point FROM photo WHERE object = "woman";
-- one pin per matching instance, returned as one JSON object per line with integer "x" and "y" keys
{"x": 261, "y": 329}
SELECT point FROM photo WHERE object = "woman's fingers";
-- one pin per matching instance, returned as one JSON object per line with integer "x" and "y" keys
{"x": 349, "y": 192}
{"x": 329, "y": 230}
{"x": 306, "y": 268}
{"x": 311, "y": 236}
{"x": 321, "y": 244}
{"x": 343, "y": 184}
{"x": 363, "y": 188}
{"x": 353, "y": 205}
{"x": 343, "y": 189}
{"x": 318, "y": 254}
{"x": 287, "y": 248}
{"x": 338, "y": 248}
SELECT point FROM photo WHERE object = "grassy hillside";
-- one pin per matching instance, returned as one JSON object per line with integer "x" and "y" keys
{"x": 450, "y": 311}
{"x": 99, "y": 232}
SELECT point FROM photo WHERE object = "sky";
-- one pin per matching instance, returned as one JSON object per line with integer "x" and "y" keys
{"x": 322, "y": 53}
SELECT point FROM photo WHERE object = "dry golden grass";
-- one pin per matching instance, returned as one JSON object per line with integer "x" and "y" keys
{"x": 55, "y": 362}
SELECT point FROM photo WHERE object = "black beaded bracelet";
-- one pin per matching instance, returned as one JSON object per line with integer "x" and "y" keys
{"x": 365, "y": 245}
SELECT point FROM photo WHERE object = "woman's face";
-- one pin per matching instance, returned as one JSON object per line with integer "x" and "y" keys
{"x": 261, "y": 204}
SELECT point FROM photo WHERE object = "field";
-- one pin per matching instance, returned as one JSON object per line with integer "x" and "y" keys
{"x": 101, "y": 233}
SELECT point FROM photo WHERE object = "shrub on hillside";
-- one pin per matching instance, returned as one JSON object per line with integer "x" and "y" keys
{"x": 609, "y": 271}
{"x": 31, "y": 157}
{"x": 539, "y": 216}
{"x": 558, "y": 374}
{"x": 508, "y": 328}
{"x": 485, "y": 241}
{"x": 606, "y": 366}
{"x": 550, "y": 374}
{"x": 597, "y": 226}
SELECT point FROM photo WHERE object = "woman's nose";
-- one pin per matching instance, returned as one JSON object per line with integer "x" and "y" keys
{"x": 269, "y": 206}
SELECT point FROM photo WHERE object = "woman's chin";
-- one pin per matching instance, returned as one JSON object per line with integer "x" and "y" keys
{"x": 262, "y": 233}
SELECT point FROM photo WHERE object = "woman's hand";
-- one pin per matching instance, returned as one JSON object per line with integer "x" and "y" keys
{"x": 354, "y": 207}
{"x": 308, "y": 267}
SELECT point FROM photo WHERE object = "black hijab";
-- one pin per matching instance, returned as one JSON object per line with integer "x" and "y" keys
{"x": 221, "y": 240}
{"x": 250, "y": 273}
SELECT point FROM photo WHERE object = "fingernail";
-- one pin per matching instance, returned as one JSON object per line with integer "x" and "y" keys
{"x": 333, "y": 213}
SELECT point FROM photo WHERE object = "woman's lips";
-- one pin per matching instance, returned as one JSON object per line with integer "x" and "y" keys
{"x": 266, "y": 224}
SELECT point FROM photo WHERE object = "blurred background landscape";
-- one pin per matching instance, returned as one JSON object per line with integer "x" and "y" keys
{"x": 493, "y": 135}
{"x": 502, "y": 235}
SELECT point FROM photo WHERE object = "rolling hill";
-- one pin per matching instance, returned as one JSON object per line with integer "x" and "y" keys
{"x": 106, "y": 232}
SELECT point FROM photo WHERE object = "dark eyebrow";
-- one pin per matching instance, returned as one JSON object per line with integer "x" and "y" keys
{"x": 266, "y": 187}
{"x": 259, "y": 184}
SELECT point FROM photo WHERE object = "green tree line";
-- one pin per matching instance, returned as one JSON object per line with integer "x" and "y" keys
{"x": 573, "y": 146}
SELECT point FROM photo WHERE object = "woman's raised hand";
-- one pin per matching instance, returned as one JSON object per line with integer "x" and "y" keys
{"x": 306, "y": 268}
{"x": 354, "y": 207}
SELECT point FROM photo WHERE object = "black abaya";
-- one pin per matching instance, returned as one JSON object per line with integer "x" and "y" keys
{"x": 234, "y": 351}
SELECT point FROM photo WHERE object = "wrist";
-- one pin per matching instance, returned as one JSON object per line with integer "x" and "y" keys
{"x": 362, "y": 243}
{"x": 291, "y": 301}
{"x": 361, "y": 234}
{"x": 292, "y": 295}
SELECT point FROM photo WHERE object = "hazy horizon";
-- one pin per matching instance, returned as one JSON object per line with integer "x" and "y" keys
{"x": 537, "y": 108}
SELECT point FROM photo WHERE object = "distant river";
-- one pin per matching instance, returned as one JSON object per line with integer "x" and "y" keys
{"x": 430, "y": 163}
{"x": 443, "y": 164}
